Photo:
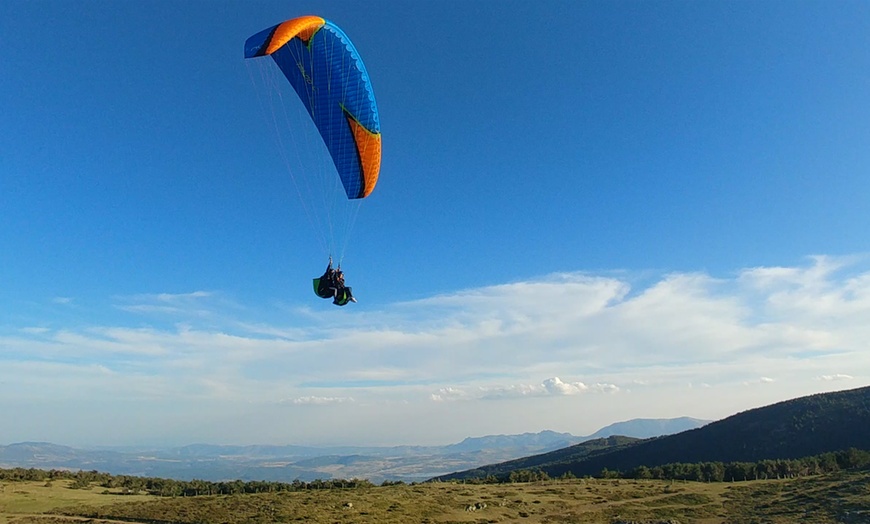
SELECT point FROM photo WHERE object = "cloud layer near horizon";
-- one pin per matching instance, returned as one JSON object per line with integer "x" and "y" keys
{"x": 570, "y": 352}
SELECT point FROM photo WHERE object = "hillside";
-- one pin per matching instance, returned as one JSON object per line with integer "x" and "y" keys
{"x": 572, "y": 454}
{"x": 792, "y": 429}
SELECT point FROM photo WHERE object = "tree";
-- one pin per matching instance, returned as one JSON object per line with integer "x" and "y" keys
{"x": 641, "y": 472}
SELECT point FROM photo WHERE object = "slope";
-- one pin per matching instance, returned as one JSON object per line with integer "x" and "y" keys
{"x": 791, "y": 429}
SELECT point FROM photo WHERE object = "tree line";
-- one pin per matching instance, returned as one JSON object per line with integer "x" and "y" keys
{"x": 129, "y": 484}
{"x": 831, "y": 462}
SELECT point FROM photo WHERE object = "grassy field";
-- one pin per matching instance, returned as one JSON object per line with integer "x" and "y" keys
{"x": 31, "y": 498}
{"x": 843, "y": 498}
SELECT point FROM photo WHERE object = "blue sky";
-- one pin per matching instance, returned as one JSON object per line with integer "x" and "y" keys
{"x": 587, "y": 212}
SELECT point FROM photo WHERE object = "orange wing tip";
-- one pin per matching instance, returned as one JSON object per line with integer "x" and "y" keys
{"x": 368, "y": 144}
{"x": 304, "y": 27}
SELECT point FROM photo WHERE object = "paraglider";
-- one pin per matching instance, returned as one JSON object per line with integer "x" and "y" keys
{"x": 331, "y": 285}
{"x": 327, "y": 73}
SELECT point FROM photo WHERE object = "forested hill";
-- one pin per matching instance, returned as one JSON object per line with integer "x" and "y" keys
{"x": 795, "y": 428}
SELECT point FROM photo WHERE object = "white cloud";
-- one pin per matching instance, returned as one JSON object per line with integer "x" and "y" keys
{"x": 555, "y": 386}
{"x": 759, "y": 380}
{"x": 561, "y": 340}
{"x": 838, "y": 376}
{"x": 449, "y": 393}
{"x": 320, "y": 400}
{"x": 549, "y": 387}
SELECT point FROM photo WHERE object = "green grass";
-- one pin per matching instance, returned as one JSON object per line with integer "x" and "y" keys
{"x": 29, "y": 498}
{"x": 823, "y": 499}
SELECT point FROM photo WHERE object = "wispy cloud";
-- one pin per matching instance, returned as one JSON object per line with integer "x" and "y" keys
{"x": 320, "y": 400}
{"x": 838, "y": 376}
{"x": 195, "y": 304}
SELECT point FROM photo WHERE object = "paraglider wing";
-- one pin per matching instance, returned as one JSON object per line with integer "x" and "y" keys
{"x": 327, "y": 73}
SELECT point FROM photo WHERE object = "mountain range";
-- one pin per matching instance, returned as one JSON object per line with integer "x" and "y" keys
{"x": 286, "y": 463}
{"x": 792, "y": 429}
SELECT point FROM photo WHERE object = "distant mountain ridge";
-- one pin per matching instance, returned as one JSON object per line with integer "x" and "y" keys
{"x": 796, "y": 428}
{"x": 286, "y": 463}
{"x": 648, "y": 427}
{"x": 637, "y": 428}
